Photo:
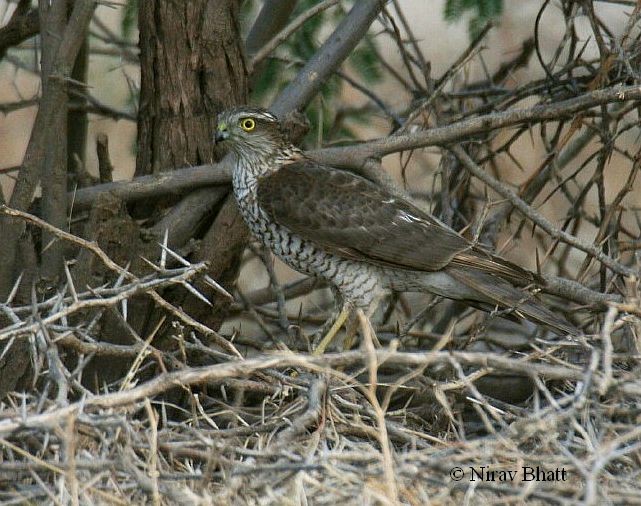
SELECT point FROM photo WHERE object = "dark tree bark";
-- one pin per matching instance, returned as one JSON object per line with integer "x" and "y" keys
{"x": 77, "y": 122}
{"x": 192, "y": 66}
{"x": 24, "y": 23}
{"x": 272, "y": 17}
{"x": 222, "y": 247}
{"x": 46, "y": 121}
{"x": 45, "y": 157}
{"x": 53, "y": 19}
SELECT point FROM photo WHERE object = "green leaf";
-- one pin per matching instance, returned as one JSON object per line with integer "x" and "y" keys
{"x": 453, "y": 10}
{"x": 364, "y": 60}
{"x": 481, "y": 11}
{"x": 301, "y": 46}
{"x": 129, "y": 18}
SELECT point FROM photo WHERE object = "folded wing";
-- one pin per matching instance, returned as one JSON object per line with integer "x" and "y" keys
{"x": 354, "y": 218}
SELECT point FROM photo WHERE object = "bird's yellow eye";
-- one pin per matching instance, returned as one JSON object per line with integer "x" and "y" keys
{"x": 247, "y": 124}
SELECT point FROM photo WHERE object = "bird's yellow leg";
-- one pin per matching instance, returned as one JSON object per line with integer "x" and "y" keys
{"x": 331, "y": 334}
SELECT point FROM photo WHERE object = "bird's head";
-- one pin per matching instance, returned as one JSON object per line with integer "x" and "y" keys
{"x": 250, "y": 132}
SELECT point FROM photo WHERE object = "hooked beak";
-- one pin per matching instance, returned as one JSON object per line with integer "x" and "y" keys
{"x": 221, "y": 133}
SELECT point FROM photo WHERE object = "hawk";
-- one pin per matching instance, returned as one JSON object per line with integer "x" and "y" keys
{"x": 364, "y": 240}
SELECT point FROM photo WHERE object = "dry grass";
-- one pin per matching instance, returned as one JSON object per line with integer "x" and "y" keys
{"x": 378, "y": 426}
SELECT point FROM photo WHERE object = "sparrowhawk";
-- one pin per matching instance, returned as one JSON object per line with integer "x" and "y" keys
{"x": 363, "y": 239}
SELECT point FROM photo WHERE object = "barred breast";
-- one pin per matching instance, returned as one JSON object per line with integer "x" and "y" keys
{"x": 358, "y": 283}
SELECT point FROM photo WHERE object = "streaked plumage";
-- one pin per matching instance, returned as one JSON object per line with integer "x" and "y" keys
{"x": 338, "y": 225}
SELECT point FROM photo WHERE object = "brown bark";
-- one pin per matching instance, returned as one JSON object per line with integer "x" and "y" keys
{"x": 77, "y": 121}
{"x": 24, "y": 24}
{"x": 222, "y": 247}
{"x": 120, "y": 237}
{"x": 45, "y": 156}
{"x": 192, "y": 66}
{"x": 53, "y": 19}
{"x": 46, "y": 121}
{"x": 272, "y": 18}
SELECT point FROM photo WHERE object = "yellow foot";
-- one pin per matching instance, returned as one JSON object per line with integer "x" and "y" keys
{"x": 331, "y": 334}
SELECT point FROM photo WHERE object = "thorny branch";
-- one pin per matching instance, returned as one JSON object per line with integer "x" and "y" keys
{"x": 325, "y": 364}
{"x": 356, "y": 155}
{"x": 111, "y": 265}
{"x": 29, "y": 176}
{"x": 391, "y": 422}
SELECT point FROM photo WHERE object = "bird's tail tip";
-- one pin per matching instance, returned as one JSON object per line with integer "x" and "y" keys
{"x": 500, "y": 292}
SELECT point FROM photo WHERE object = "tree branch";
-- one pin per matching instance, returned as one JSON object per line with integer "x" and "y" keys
{"x": 576, "y": 292}
{"x": 114, "y": 267}
{"x": 331, "y": 54}
{"x": 53, "y": 19}
{"x": 464, "y": 129}
{"x": 24, "y": 24}
{"x": 266, "y": 49}
{"x": 354, "y": 156}
{"x": 164, "y": 183}
{"x": 29, "y": 175}
{"x": 243, "y": 368}
{"x": 506, "y": 192}
{"x": 271, "y": 19}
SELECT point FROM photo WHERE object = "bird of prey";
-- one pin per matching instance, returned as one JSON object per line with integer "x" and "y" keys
{"x": 363, "y": 239}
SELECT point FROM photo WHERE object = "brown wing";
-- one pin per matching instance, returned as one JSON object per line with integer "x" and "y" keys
{"x": 353, "y": 217}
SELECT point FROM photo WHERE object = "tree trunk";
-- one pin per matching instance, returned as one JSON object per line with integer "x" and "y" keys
{"x": 53, "y": 20}
{"x": 192, "y": 66}
{"x": 77, "y": 122}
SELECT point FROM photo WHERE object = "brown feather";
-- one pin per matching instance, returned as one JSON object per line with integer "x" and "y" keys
{"x": 351, "y": 216}
{"x": 485, "y": 261}
{"x": 354, "y": 218}
{"x": 503, "y": 294}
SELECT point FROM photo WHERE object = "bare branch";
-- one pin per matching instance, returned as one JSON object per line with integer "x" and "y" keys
{"x": 105, "y": 168}
{"x": 53, "y": 19}
{"x": 325, "y": 364}
{"x": 354, "y": 156}
{"x": 272, "y": 17}
{"x": 29, "y": 175}
{"x": 464, "y": 129}
{"x": 24, "y": 24}
{"x": 334, "y": 51}
{"x": 171, "y": 182}
{"x": 503, "y": 190}
{"x": 113, "y": 266}
{"x": 268, "y": 47}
